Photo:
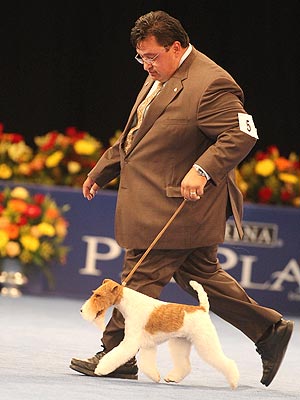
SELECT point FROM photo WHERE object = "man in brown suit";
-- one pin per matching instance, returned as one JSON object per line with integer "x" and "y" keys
{"x": 192, "y": 136}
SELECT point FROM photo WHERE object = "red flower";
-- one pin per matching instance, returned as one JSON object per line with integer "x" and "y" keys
{"x": 74, "y": 133}
{"x": 273, "y": 151}
{"x": 260, "y": 155}
{"x": 265, "y": 194}
{"x": 22, "y": 220}
{"x": 33, "y": 211}
{"x": 16, "y": 138}
{"x": 71, "y": 131}
{"x": 286, "y": 195}
{"x": 39, "y": 198}
{"x": 51, "y": 142}
{"x": 11, "y": 137}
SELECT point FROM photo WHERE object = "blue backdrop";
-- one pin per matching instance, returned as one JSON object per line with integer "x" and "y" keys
{"x": 266, "y": 262}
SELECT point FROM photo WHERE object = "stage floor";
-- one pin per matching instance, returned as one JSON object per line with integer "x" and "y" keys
{"x": 39, "y": 336}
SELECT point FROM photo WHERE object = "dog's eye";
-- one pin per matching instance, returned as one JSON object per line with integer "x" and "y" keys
{"x": 97, "y": 295}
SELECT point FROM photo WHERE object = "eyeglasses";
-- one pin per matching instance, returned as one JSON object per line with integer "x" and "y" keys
{"x": 147, "y": 60}
{"x": 150, "y": 60}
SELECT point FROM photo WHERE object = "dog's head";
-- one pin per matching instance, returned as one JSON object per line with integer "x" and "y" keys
{"x": 107, "y": 295}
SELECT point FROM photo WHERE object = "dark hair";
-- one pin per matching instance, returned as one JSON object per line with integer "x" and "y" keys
{"x": 162, "y": 26}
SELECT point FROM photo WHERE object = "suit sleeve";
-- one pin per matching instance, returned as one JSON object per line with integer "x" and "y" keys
{"x": 107, "y": 167}
{"x": 218, "y": 119}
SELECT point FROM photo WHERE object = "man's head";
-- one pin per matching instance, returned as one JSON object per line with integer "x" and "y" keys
{"x": 160, "y": 41}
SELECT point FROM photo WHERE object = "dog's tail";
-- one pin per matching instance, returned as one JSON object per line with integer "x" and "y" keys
{"x": 202, "y": 295}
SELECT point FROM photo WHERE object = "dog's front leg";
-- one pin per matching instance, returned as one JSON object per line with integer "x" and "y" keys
{"x": 117, "y": 357}
{"x": 147, "y": 363}
{"x": 180, "y": 349}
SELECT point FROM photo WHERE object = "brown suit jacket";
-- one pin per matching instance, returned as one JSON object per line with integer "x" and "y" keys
{"x": 193, "y": 120}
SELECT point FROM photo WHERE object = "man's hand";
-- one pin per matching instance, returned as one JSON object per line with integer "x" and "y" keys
{"x": 192, "y": 185}
{"x": 89, "y": 188}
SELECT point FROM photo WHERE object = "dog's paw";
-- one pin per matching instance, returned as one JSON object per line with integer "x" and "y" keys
{"x": 97, "y": 372}
{"x": 171, "y": 379}
{"x": 176, "y": 376}
{"x": 101, "y": 371}
{"x": 155, "y": 378}
{"x": 153, "y": 375}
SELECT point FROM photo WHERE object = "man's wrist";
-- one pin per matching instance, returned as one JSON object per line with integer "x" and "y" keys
{"x": 200, "y": 171}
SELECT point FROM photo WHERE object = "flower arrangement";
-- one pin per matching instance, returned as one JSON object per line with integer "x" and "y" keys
{"x": 270, "y": 178}
{"x": 58, "y": 158}
{"x": 63, "y": 158}
{"x": 13, "y": 153}
{"x": 32, "y": 229}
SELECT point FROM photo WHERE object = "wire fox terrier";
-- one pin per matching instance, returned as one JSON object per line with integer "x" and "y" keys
{"x": 150, "y": 322}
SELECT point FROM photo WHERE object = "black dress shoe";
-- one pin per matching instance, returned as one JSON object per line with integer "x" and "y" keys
{"x": 87, "y": 366}
{"x": 272, "y": 349}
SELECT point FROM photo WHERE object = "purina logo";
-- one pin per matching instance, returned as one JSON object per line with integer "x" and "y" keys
{"x": 256, "y": 234}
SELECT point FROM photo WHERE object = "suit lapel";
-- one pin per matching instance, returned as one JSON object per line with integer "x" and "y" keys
{"x": 142, "y": 94}
{"x": 172, "y": 88}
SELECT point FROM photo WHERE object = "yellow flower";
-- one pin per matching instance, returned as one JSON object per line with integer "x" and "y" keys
{"x": 74, "y": 167}
{"x": 4, "y": 239}
{"x": 13, "y": 249}
{"x": 24, "y": 169}
{"x": 46, "y": 229}
{"x": 54, "y": 159}
{"x": 30, "y": 242}
{"x": 265, "y": 167}
{"x": 5, "y": 171}
{"x": 288, "y": 178}
{"x": 85, "y": 147}
{"x": 19, "y": 152}
{"x": 20, "y": 192}
{"x": 296, "y": 201}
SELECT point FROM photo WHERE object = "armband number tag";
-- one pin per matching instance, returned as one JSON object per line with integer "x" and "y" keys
{"x": 247, "y": 125}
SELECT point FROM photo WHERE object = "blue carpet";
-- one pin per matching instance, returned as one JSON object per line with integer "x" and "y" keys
{"x": 40, "y": 335}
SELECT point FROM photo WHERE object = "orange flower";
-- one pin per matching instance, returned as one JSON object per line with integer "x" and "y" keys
{"x": 51, "y": 213}
{"x": 283, "y": 164}
{"x": 38, "y": 163}
{"x": 13, "y": 249}
{"x": 12, "y": 231}
{"x": 17, "y": 205}
{"x": 4, "y": 222}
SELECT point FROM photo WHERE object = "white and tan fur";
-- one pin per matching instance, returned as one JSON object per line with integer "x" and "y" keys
{"x": 150, "y": 322}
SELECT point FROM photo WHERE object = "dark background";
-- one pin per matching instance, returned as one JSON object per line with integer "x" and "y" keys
{"x": 69, "y": 62}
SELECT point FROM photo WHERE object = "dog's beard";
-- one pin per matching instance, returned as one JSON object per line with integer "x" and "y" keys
{"x": 91, "y": 314}
{"x": 99, "y": 321}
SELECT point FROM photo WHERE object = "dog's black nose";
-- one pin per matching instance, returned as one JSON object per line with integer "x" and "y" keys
{"x": 81, "y": 310}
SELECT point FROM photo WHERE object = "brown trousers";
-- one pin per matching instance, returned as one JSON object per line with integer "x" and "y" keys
{"x": 227, "y": 298}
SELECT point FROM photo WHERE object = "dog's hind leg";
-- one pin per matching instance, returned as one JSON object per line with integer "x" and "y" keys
{"x": 147, "y": 363}
{"x": 180, "y": 349}
{"x": 209, "y": 349}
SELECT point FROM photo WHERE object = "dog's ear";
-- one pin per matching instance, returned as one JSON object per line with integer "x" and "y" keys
{"x": 114, "y": 287}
